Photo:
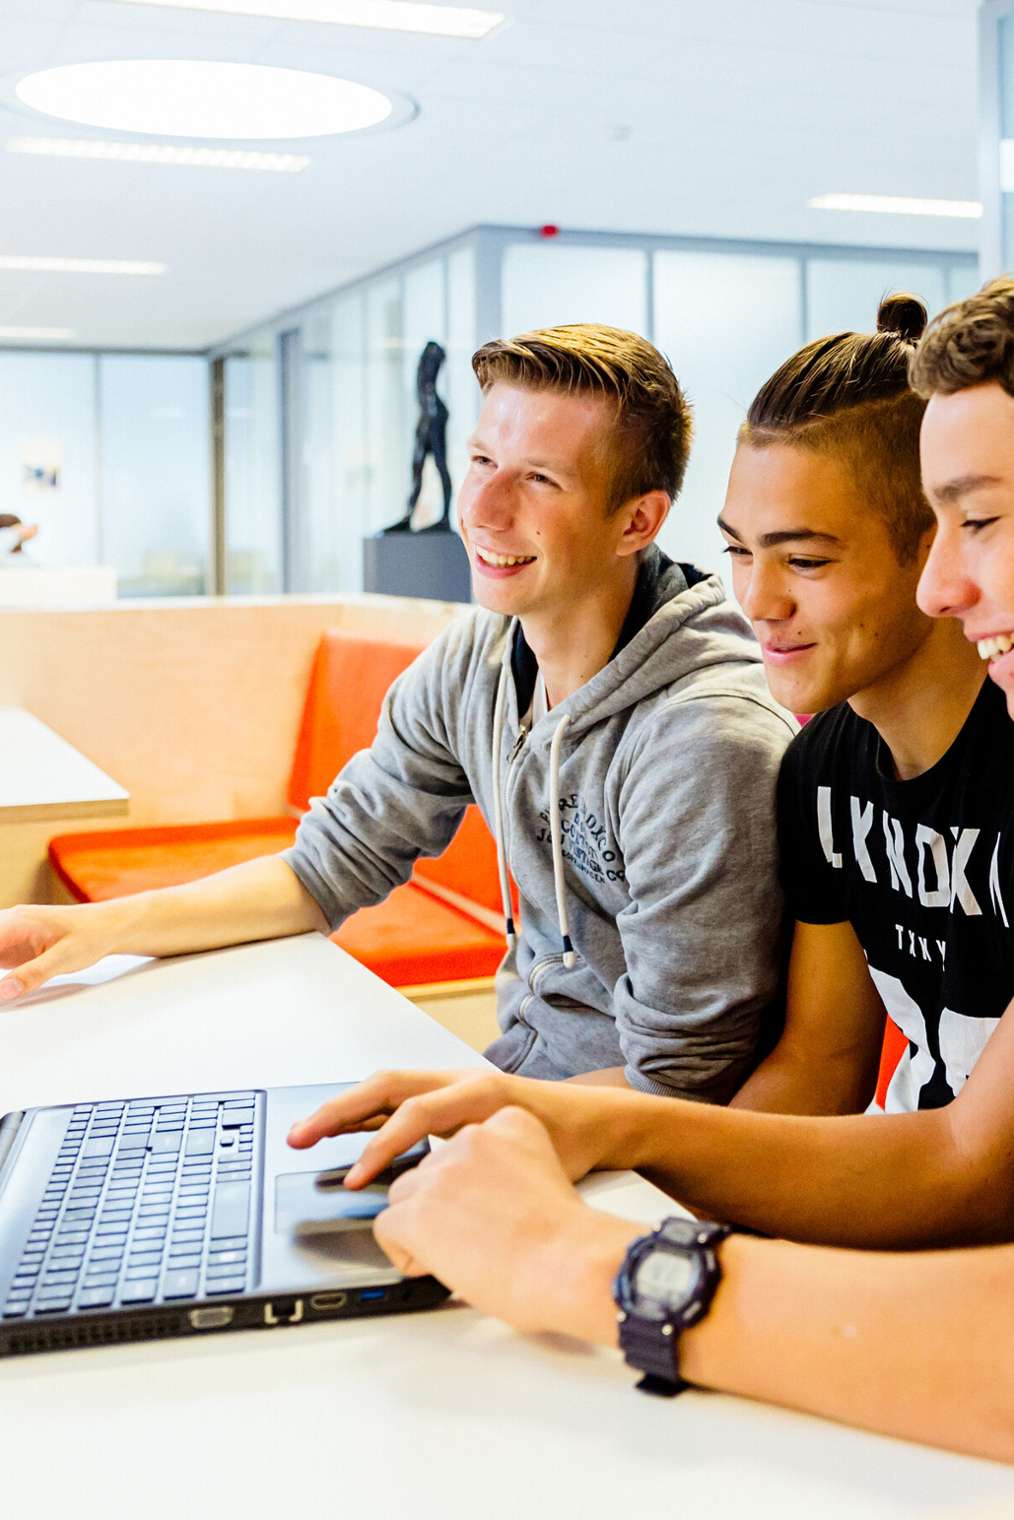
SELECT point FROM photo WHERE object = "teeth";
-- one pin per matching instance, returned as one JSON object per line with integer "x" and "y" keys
{"x": 991, "y": 649}
{"x": 501, "y": 561}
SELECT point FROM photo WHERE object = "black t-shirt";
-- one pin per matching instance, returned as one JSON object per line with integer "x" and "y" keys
{"x": 922, "y": 869}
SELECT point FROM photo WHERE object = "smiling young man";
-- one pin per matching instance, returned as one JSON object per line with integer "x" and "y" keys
{"x": 896, "y": 820}
{"x": 607, "y": 710}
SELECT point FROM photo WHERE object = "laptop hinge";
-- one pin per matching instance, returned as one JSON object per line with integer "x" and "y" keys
{"x": 9, "y": 1126}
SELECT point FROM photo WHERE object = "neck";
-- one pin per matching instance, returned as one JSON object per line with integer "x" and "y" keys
{"x": 920, "y": 707}
{"x": 573, "y": 644}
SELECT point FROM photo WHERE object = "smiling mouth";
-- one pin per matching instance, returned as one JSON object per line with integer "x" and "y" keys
{"x": 502, "y": 561}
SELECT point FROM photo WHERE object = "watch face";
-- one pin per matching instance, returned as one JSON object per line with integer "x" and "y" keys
{"x": 664, "y": 1280}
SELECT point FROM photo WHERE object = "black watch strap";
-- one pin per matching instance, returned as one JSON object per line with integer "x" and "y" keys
{"x": 651, "y": 1346}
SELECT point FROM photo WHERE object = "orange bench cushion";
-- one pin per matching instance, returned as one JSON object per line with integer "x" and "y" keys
{"x": 109, "y": 863}
{"x": 412, "y": 937}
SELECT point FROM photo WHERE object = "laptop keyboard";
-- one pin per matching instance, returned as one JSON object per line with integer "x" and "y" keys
{"x": 148, "y": 1202}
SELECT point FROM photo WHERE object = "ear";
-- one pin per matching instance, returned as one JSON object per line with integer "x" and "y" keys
{"x": 643, "y": 517}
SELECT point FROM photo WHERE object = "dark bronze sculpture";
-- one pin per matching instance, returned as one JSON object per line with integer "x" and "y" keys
{"x": 430, "y": 438}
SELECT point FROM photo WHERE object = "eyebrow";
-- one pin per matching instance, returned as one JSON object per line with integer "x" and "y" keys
{"x": 962, "y": 485}
{"x": 784, "y": 536}
{"x": 551, "y": 465}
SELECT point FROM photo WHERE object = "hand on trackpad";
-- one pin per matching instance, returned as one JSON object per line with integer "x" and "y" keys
{"x": 306, "y": 1205}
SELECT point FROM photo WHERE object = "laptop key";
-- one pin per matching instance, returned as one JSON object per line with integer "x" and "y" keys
{"x": 97, "y": 1298}
{"x": 141, "y": 1292}
{"x": 226, "y": 1285}
{"x": 231, "y": 1210}
{"x": 179, "y": 1284}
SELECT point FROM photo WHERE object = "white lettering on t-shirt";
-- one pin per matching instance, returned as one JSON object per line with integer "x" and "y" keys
{"x": 960, "y": 890}
{"x": 862, "y": 823}
{"x": 895, "y": 840}
{"x": 826, "y": 827}
{"x": 940, "y": 895}
{"x": 995, "y": 896}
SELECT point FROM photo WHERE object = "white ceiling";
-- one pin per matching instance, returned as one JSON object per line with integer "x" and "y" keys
{"x": 666, "y": 116}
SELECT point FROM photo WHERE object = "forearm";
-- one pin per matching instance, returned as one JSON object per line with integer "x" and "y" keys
{"x": 608, "y": 1076}
{"x": 260, "y": 899}
{"x": 783, "y": 1084}
{"x": 876, "y": 1181}
{"x": 911, "y": 1346}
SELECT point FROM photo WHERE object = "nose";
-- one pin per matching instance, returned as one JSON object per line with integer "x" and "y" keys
{"x": 488, "y": 502}
{"x": 762, "y": 593}
{"x": 945, "y": 588}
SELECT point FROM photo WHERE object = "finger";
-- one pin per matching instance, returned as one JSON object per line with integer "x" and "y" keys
{"x": 32, "y": 974}
{"x": 433, "y": 1113}
{"x": 371, "y": 1100}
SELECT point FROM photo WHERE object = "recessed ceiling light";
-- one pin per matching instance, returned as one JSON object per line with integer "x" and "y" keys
{"x": 897, "y": 205}
{"x": 46, "y": 265}
{"x": 159, "y": 153}
{"x": 385, "y": 15}
{"x": 26, "y": 334}
{"x": 172, "y": 97}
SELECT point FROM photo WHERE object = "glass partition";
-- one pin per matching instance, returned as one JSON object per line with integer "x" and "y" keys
{"x": 725, "y": 322}
{"x": 155, "y": 473}
{"x": 253, "y": 513}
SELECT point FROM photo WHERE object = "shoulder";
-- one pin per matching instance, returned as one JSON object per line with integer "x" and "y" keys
{"x": 827, "y": 738}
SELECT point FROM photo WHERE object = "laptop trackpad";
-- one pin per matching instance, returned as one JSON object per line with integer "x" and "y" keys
{"x": 304, "y": 1207}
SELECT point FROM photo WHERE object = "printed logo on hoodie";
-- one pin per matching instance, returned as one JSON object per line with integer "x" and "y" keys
{"x": 585, "y": 842}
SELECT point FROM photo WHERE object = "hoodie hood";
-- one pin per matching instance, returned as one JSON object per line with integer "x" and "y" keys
{"x": 668, "y": 599}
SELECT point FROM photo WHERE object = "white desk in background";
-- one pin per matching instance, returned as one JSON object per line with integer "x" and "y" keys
{"x": 436, "y": 1416}
{"x": 56, "y": 586}
{"x": 42, "y": 776}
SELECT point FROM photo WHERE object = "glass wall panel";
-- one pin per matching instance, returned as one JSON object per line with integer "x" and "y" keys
{"x": 253, "y": 511}
{"x": 350, "y": 503}
{"x": 317, "y": 565}
{"x": 546, "y": 284}
{"x": 461, "y": 390}
{"x": 726, "y": 321}
{"x": 156, "y": 473}
{"x": 842, "y": 295}
{"x": 387, "y": 416}
{"x": 48, "y": 454}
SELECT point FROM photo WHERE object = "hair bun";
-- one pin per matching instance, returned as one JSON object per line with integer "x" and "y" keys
{"x": 902, "y": 315}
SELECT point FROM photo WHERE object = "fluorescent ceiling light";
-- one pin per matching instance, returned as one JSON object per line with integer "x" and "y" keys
{"x": 79, "y": 266}
{"x": 384, "y": 15}
{"x": 171, "y": 97}
{"x": 158, "y": 153}
{"x": 897, "y": 205}
{"x": 25, "y": 334}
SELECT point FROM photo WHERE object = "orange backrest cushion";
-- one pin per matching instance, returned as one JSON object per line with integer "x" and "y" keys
{"x": 350, "y": 677}
{"x": 894, "y": 1047}
{"x": 468, "y": 865}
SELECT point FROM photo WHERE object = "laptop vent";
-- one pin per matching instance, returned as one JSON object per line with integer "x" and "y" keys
{"x": 109, "y": 1332}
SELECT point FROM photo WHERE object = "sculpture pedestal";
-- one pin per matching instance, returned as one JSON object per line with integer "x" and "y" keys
{"x": 417, "y": 564}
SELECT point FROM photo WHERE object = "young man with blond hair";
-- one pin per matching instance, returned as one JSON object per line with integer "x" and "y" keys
{"x": 607, "y": 710}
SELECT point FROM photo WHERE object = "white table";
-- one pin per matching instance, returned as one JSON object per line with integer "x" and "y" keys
{"x": 42, "y": 776}
{"x": 436, "y": 1416}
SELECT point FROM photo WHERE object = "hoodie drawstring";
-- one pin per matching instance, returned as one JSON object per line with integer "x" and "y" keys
{"x": 555, "y": 825}
{"x": 556, "y": 831}
{"x": 501, "y": 853}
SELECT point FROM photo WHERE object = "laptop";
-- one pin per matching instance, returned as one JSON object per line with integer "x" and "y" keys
{"x": 141, "y": 1218}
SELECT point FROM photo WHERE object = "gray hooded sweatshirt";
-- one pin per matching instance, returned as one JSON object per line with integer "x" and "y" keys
{"x": 637, "y": 819}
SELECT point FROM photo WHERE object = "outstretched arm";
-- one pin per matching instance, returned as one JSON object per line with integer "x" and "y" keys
{"x": 261, "y": 899}
{"x": 913, "y": 1346}
{"x": 941, "y": 1177}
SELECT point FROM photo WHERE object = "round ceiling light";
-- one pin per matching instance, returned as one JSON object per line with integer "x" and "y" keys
{"x": 183, "y": 98}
